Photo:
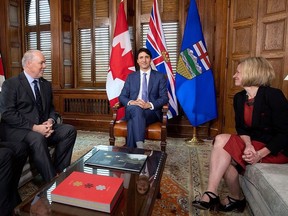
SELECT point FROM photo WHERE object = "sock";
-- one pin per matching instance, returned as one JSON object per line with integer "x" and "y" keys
{"x": 140, "y": 144}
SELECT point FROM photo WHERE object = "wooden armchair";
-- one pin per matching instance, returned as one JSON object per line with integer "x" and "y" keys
{"x": 155, "y": 131}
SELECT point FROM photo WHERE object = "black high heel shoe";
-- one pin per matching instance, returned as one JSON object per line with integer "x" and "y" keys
{"x": 234, "y": 205}
{"x": 213, "y": 203}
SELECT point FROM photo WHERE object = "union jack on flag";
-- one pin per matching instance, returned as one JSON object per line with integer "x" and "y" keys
{"x": 155, "y": 42}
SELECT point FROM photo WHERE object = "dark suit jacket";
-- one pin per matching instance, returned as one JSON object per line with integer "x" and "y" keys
{"x": 157, "y": 90}
{"x": 18, "y": 110}
{"x": 269, "y": 119}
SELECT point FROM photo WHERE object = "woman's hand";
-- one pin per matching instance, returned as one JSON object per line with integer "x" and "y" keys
{"x": 249, "y": 148}
{"x": 249, "y": 154}
{"x": 252, "y": 157}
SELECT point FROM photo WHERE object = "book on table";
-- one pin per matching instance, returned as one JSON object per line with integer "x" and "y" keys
{"x": 89, "y": 191}
{"x": 117, "y": 160}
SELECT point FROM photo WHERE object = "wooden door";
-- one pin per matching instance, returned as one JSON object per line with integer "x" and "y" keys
{"x": 255, "y": 28}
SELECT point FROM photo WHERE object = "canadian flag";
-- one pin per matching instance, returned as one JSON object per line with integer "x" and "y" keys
{"x": 121, "y": 60}
{"x": 2, "y": 75}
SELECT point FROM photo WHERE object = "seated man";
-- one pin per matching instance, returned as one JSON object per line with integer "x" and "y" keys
{"x": 12, "y": 159}
{"x": 143, "y": 95}
{"x": 28, "y": 116}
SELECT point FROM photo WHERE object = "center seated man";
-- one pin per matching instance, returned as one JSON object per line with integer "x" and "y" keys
{"x": 143, "y": 95}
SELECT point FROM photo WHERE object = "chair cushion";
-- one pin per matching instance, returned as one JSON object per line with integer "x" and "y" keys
{"x": 153, "y": 131}
{"x": 265, "y": 188}
{"x": 120, "y": 129}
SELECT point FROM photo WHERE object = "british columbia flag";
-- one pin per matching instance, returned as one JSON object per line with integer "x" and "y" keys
{"x": 155, "y": 42}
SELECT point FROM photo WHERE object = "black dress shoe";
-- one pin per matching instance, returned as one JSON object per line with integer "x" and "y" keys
{"x": 234, "y": 205}
{"x": 212, "y": 205}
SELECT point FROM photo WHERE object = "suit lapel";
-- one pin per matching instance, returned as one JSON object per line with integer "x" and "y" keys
{"x": 151, "y": 80}
{"x": 42, "y": 90}
{"x": 137, "y": 81}
{"x": 26, "y": 85}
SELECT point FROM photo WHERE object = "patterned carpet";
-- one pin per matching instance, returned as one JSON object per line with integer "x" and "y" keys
{"x": 199, "y": 162}
{"x": 174, "y": 184}
{"x": 185, "y": 174}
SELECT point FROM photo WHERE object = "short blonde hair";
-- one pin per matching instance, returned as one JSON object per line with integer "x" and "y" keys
{"x": 256, "y": 71}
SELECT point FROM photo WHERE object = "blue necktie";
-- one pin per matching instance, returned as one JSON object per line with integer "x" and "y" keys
{"x": 38, "y": 101}
{"x": 144, "y": 88}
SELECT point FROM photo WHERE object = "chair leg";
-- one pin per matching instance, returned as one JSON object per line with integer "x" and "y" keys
{"x": 163, "y": 145}
{"x": 112, "y": 141}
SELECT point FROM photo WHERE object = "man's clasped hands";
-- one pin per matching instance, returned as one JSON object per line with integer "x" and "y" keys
{"x": 46, "y": 128}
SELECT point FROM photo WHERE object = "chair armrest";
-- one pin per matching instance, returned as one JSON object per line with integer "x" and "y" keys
{"x": 164, "y": 113}
{"x": 164, "y": 127}
{"x": 115, "y": 108}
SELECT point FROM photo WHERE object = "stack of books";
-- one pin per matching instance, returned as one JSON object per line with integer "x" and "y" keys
{"x": 89, "y": 191}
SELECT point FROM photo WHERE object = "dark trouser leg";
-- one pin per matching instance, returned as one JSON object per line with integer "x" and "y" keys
{"x": 136, "y": 125}
{"x": 21, "y": 154}
{"x": 12, "y": 159}
{"x": 6, "y": 176}
{"x": 63, "y": 138}
{"x": 40, "y": 155}
{"x": 137, "y": 120}
{"x": 19, "y": 157}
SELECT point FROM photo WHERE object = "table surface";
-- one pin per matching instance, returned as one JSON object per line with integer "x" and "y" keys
{"x": 133, "y": 201}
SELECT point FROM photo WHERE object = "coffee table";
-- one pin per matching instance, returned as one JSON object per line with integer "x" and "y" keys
{"x": 138, "y": 198}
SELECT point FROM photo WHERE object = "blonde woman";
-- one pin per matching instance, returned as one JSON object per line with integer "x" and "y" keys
{"x": 261, "y": 119}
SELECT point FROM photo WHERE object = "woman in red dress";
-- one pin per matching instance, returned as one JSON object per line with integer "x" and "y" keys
{"x": 261, "y": 119}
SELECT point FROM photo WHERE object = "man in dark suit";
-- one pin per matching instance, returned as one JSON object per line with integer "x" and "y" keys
{"x": 143, "y": 95}
{"x": 28, "y": 116}
{"x": 12, "y": 159}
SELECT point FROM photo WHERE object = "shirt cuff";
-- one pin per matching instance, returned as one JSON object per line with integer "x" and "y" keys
{"x": 53, "y": 121}
{"x": 128, "y": 104}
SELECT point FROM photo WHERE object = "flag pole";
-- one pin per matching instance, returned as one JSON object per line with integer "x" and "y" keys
{"x": 194, "y": 139}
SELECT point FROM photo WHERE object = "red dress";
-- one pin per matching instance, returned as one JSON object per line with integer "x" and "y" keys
{"x": 236, "y": 146}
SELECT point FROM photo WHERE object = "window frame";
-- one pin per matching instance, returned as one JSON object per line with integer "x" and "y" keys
{"x": 42, "y": 30}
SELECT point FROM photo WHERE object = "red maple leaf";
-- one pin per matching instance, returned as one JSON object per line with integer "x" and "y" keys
{"x": 119, "y": 65}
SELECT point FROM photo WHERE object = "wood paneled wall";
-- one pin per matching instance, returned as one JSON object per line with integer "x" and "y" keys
{"x": 10, "y": 36}
{"x": 232, "y": 29}
{"x": 63, "y": 51}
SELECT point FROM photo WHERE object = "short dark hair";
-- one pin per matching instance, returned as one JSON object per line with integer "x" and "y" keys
{"x": 144, "y": 50}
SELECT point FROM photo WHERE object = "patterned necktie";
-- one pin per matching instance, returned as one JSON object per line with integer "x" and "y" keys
{"x": 38, "y": 101}
{"x": 144, "y": 88}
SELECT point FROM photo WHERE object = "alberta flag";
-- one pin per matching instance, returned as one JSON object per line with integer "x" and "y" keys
{"x": 2, "y": 75}
{"x": 155, "y": 42}
{"x": 121, "y": 60}
{"x": 194, "y": 78}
